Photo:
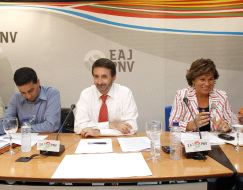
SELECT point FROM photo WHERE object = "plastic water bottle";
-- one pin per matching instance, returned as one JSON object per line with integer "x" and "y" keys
{"x": 26, "y": 137}
{"x": 175, "y": 141}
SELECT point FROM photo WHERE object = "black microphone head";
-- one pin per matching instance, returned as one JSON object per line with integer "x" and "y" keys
{"x": 185, "y": 99}
{"x": 73, "y": 106}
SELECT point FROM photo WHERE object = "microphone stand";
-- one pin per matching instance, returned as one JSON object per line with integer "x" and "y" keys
{"x": 194, "y": 155}
{"x": 62, "y": 147}
{"x": 185, "y": 100}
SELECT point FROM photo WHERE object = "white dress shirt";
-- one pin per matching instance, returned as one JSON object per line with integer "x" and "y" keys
{"x": 120, "y": 103}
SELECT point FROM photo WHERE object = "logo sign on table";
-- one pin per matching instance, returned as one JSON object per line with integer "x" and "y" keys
{"x": 197, "y": 145}
{"x": 48, "y": 145}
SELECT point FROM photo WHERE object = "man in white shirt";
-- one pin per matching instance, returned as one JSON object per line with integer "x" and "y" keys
{"x": 118, "y": 111}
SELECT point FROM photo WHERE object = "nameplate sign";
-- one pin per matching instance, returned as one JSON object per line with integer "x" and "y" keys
{"x": 48, "y": 145}
{"x": 197, "y": 145}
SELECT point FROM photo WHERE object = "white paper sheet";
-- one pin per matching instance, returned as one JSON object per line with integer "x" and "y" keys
{"x": 234, "y": 142}
{"x": 17, "y": 138}
{"x": 134, "y": 144}
{"x": 94, "y": 146}
{"x": 3, "y": 144}
{"x": 211, "y": 137}
{"x": 111, "y": 165}
{"x": 110, "y": 133}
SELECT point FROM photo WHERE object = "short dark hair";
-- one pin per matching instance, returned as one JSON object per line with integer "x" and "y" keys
{"x": 106, "y": 63}
{"x": 24, "y": 76}
{"x": 199, "y": 68}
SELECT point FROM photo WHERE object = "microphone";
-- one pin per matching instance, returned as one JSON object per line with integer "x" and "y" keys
{"x": 62, "y": 147}
{"x": 65, "y": 120}
{"x": 185, "y": 100}
{"x": 194, "y": 155}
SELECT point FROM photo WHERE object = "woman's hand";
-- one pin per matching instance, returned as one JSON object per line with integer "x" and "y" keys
{"x": 201, "y": 119}
{"x": 222, "y": 125}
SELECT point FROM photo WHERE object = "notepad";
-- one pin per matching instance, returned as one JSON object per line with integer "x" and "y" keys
{"x": 94, "y": 146}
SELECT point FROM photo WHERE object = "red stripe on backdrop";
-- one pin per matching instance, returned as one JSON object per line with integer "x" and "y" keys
{"x": 152, "y": 14}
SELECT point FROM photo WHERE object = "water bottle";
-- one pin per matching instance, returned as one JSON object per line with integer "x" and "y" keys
{"x": 26, "y": 137}
{"x": 175, "y": 141}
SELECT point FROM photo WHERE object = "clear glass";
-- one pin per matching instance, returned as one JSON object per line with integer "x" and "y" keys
{"x": 153, "y": 131}
{"x": 10, "y": 126}
{"x": 237, "y": 127}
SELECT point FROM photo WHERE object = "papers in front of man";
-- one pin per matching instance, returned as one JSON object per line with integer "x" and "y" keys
{"x": 110, "y": 133}
{"x": 3, "y": 144}
{"x": 16, "y": 138}
{"x": 110, "y": 165}
{"x": 94, "y": 146}
{"x": 134, "y": 144}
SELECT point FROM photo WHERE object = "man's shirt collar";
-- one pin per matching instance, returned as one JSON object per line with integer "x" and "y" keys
{"x": 41, "y": 96}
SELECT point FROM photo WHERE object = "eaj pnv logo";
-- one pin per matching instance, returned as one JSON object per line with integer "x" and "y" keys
{"x": 123, "y": 58}
{"x": 8, "y": 37}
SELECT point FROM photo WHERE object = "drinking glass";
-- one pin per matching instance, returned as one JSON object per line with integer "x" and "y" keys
{"x": 237, "y": 127}
{"x": 10, "y": 126}
{"x": 153, "y": 131}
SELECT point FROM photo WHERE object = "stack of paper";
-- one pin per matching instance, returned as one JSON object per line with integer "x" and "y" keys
{"x": 3, "y": 144}
{"x": 16, "y": 138}
{"x": 134, "y": 144}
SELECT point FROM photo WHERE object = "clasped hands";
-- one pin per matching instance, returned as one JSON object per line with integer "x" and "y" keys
{"x": 203, "y": 119}
{"x": 123, "y": 127}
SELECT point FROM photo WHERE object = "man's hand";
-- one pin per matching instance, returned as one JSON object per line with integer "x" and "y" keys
{"x": 123, "y": 127}
{"x": 90, "y": 132}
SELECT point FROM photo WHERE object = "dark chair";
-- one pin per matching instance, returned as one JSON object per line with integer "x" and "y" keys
{"x": 69, "y": 125}
{"x": 167, "y": 116}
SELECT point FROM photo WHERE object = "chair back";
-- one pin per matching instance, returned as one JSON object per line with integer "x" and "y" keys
{"x": 167, "y": 117}
{"x": 69, "y": 125}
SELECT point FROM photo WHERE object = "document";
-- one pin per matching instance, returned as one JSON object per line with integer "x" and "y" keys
{"x": 210, "y": 136}
{"x": 17, "y": 138}
{"x": 110, "y": 133}
{"x": 134, "y": 144}
{"x": 3, "y": 144}
{"x": 110, "y": 165}
{"x": 94, "y": 146}
{"x": 234, "y": 142}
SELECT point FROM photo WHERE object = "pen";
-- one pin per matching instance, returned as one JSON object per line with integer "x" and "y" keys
{"x": 97, "y": 143}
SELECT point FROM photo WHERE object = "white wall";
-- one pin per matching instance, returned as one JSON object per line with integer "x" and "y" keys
{"x": 61, "y": 49}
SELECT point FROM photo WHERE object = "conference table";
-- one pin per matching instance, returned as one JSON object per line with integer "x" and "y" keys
{"x": 41, "y": 168}
{"x": 235, "y": 157}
